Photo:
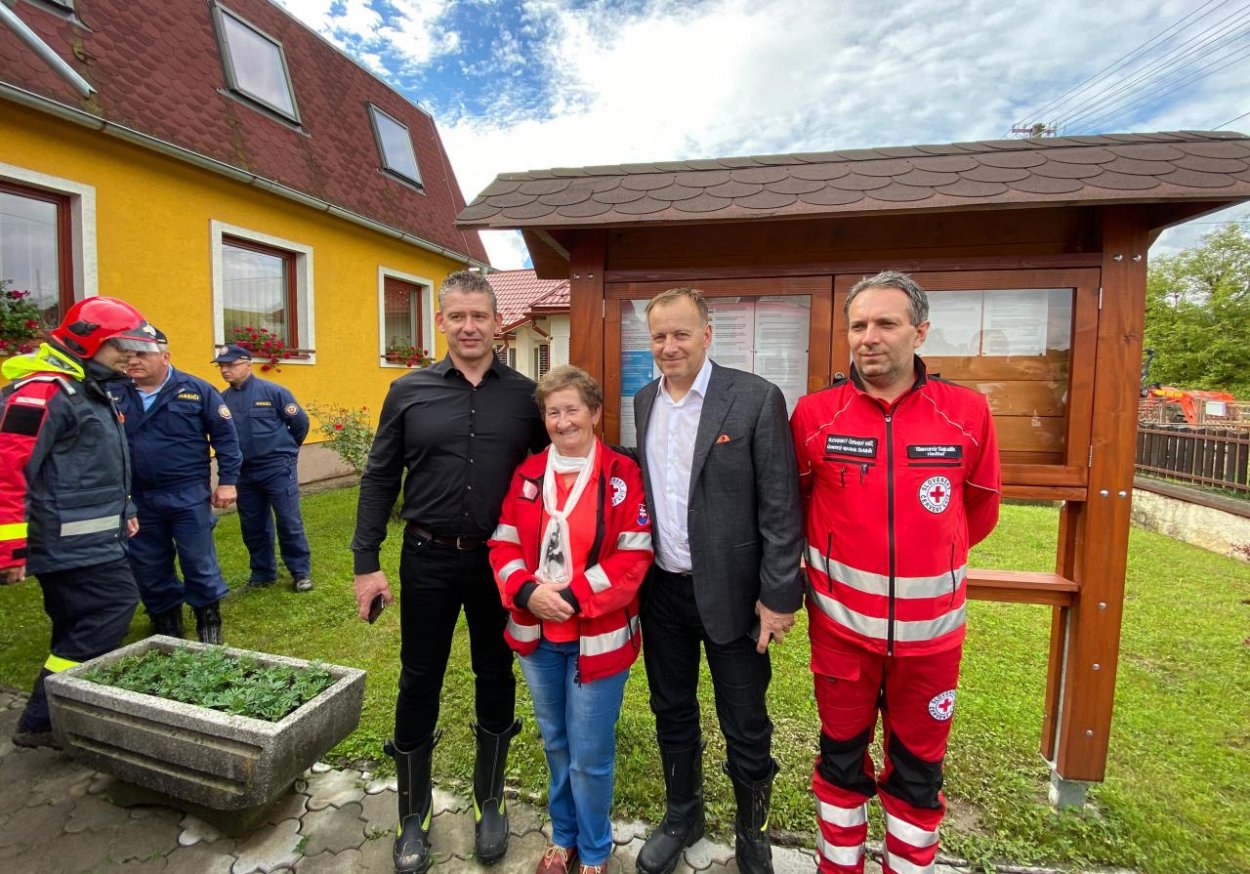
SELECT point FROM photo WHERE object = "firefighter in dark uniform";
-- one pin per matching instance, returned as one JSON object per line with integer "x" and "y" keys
{"x": 271, "y": 428}
{"x": 172, "y": 420}
{"x": 65, "y": 514}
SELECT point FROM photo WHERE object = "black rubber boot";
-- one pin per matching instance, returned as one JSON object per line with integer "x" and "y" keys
{"x": 416, "y": 805}
{"x": 208, "y": 623}
{"x": 34, "y": 727}
{"x": 684, "y": 820}
{"x": 490, "y": 814}
{"x": 169, "y": 622}
{"x": 752, "y": 848}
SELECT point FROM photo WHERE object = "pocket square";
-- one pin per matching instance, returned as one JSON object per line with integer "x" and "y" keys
{"x": 724, "y": 438}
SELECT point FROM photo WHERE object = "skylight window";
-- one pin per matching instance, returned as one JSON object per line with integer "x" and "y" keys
{"x": 395, "y": 146}
{"x": 255, "y": 65}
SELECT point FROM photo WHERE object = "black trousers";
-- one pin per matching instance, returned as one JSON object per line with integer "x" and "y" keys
{"x": 672, "y": 632}
{"x": 90, "y": 609}
{"x": 436, "y": 582}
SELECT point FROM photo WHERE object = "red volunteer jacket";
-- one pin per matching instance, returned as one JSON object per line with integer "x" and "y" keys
{"x": 895, "y": 497}
{"x": 606, "y": 589}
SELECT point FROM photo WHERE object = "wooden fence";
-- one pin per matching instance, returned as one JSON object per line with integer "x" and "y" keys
{"x": 1218, "y": 457}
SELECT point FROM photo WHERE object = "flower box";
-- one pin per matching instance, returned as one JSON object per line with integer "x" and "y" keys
{"x": 210, "y": 759}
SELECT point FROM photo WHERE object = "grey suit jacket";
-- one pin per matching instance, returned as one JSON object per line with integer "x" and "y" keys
{"x": 745, "y": 518}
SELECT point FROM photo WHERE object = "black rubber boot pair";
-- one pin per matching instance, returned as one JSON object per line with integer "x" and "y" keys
{"x": 752, "y": 848}
{"x": 684, "y": 820}
{"x": 490, "y": 813}
{"x": 169, "y": 622}
{"x": 416, "y": 805}
{"x": 207, "y": 623}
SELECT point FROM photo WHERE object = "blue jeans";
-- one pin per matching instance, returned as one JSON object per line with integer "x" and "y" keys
{"x": 578, "y": 725}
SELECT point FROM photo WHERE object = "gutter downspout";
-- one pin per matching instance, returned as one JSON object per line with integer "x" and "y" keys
{"x": 43, "y": 50}
{"x": 94, "y": 122}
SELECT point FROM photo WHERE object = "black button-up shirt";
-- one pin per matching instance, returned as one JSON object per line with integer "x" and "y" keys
{"x": 458, "y": 445}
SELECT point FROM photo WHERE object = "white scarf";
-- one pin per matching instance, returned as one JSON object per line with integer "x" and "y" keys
{"x": 555, "y": 559}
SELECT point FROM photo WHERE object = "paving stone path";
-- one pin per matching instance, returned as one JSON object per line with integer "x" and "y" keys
{"x": 56, "y": 819}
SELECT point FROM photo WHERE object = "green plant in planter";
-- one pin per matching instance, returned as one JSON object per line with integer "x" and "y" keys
{"x": 211, "y": 678}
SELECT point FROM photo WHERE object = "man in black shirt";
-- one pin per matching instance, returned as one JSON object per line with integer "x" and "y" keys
{"x": 454, "y": 433}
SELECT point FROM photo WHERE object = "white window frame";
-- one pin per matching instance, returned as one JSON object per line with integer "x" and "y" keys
{"x": 302, "y": 255}
{"x": 82, "y": 209}
{"x": 232, "y": 81}
{"x": 374, "y": 112}
{"x": 427, "y": 312}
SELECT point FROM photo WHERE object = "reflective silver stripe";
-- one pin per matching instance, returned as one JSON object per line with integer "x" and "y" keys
{"x": 935, "y": 586}
{"x": 524, "y": 633}
{"x": 506, "y": 533}
{"x": 598, "y": 579}
{"x": 908, "y": 833}
{"x": 633, "y": 540}
{"x": 843, "y": 817}
{"x": 848, "y": 857}
{"x": 598, "y": 644}
{"x": 902, "y": 866}
{"x": 510, "y": 568}
{"x": 91, "y": 526}
{"x": 876, "y": 627}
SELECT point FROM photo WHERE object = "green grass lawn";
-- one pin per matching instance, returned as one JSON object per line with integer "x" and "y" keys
{"x": 1177, "y": 795}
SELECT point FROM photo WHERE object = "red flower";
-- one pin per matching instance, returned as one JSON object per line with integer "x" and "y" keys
{"x": 338, "y": 426}
{"x": 264, "y": 368}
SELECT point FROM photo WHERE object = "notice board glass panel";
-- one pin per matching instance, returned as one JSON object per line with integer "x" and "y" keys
{"x": 766, "y": 335}
{"x": 1014, "y": 345}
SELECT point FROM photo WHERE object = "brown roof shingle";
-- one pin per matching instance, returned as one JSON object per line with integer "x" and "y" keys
{"x": 157, "y": 70}
{"x": 1108, "y": 168}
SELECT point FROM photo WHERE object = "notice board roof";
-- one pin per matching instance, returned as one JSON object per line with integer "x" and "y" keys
{"x": 1086, "y": 170}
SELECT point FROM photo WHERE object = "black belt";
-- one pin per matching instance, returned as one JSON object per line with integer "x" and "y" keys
{"x": 677, "y": 575}
{"x": 462, "y": 542}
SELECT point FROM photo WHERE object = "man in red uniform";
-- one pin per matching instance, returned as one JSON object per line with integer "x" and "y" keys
{"x": 900, "y": 475}
{"x": 65, "y": 511}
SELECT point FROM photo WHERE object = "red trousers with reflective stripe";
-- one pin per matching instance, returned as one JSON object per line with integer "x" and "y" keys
{"x": 915, "y": 698}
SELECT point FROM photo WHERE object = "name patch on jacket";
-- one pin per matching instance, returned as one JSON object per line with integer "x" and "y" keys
{"x": 935, "y": 450}
{"x": 263, "y": 403}
{"x": 188, "y": 396}
{"x": 843, "y": 444}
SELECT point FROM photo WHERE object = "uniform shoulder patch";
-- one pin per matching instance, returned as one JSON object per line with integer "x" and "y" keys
{"x": 619, "y": 491}
{"x": 223, "y": 411}
{"x": 291, "y": 409}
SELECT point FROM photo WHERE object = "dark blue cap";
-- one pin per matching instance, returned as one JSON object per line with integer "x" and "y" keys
{"x": 230, "y": 354}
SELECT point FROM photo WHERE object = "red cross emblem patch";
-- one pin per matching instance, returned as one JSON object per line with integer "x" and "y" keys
{"x": 935, "y": 494}
{"x": 942, "y": 707}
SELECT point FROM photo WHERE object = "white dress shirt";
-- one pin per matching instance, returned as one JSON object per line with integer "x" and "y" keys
{"x": 670, "y": 438}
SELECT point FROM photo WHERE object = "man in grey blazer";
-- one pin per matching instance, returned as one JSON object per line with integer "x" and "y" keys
{"x": 722, "y": 488}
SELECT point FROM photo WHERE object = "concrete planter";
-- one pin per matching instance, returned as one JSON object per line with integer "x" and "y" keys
{"x": 204, "y": 757}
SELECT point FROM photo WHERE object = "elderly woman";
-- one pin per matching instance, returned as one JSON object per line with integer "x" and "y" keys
{"x": 572, "y": 548}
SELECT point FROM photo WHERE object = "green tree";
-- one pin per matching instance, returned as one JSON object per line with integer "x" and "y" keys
{"x": 1198, "y": 314}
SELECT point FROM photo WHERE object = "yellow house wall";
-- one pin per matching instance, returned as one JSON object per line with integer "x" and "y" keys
{"x": 153, "y": 216}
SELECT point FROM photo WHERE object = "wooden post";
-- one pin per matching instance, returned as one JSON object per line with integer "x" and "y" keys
{"x": 588, "y": 257}
{"x": 1094, "y": 540}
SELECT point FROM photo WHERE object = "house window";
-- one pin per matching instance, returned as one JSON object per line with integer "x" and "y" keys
{"x": 395, "y": 145}
{"x": 261, "y": 281}
{"x": 255, "y": 64}
{"x": 542, "y": 360}
{"x": 405, "y": 316}
{"x": 35, "y": 253}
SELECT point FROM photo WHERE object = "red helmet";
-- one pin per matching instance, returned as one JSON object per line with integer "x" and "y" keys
{"x": 95, "y": 320}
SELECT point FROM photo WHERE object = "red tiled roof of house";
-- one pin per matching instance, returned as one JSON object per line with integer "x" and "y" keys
{"x": 1109, "y": 168}
{"x": 519, "y": 292}
{"x": 157, "y": 70}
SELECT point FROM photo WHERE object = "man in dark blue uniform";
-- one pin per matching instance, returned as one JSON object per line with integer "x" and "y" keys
{"x": 172, "y": 420}
{"x": 271, "y": 427}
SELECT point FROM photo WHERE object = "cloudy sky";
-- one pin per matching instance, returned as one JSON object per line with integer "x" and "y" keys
{"x": 529, "y": 84}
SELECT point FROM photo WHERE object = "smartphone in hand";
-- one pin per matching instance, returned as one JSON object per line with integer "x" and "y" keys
{"x": 376, "y": 606}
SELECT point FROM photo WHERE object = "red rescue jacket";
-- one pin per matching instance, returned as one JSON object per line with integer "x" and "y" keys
{"x": 895, "y": 496}
{"x": 606, "y": 589}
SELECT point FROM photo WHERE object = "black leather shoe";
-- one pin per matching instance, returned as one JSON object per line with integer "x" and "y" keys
{"x": 303, "y": 584}
{"x": 169, "y": 622}
{"x": 684, "y": 820}
{"x": 490, "y": 814}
